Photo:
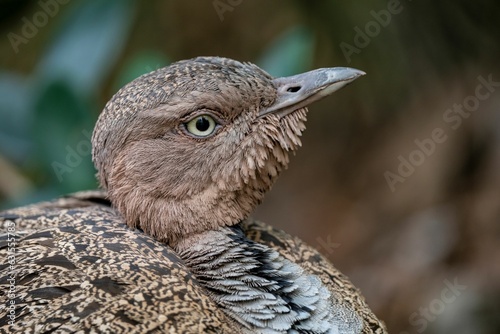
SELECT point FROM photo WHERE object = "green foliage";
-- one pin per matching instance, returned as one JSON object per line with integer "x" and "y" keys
{"x": 48, "y": 118}
{"x": 290, "y": 53}
{"x": 141, "y": 63}
{"x": 61, "y": 130}
{"x": 15, "y": 111}
{"x": 89, "y": 41}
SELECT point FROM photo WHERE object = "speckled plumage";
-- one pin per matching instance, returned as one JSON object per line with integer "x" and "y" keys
{"x": 190, "y": 260}
{"x": 80, "y": 269}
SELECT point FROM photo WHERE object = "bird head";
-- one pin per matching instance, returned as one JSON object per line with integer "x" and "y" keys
{"x": 195, "y": 146}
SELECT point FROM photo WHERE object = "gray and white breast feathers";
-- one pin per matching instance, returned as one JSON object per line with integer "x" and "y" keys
{"x": 260, "y": 289}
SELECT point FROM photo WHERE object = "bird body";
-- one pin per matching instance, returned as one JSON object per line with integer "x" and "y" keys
{"x": 183, "y": 154}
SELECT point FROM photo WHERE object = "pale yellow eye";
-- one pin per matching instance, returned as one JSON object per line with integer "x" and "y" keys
{"x": 201, "y": 126}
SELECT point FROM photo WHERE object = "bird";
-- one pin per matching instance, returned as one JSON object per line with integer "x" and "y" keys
{"x": 183, "y": 155}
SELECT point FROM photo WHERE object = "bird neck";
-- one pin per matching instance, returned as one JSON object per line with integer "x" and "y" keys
{"x": 256, "y": 286}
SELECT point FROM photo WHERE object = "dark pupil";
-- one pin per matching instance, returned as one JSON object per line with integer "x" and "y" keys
{"x": 202, "y": 124}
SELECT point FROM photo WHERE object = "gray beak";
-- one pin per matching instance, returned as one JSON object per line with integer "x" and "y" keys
{"x": 298, "y": 91}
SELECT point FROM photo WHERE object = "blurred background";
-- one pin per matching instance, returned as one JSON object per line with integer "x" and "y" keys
{"x": 398, "y": 179}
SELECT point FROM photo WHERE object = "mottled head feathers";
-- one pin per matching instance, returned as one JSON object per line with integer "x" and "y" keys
{"x": 171, "y": 182}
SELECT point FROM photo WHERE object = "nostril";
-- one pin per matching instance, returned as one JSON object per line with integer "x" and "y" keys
{"x": 293, "y": 89}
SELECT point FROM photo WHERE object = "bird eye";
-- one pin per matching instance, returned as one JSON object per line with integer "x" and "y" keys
{"x": 201, "y": 126}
